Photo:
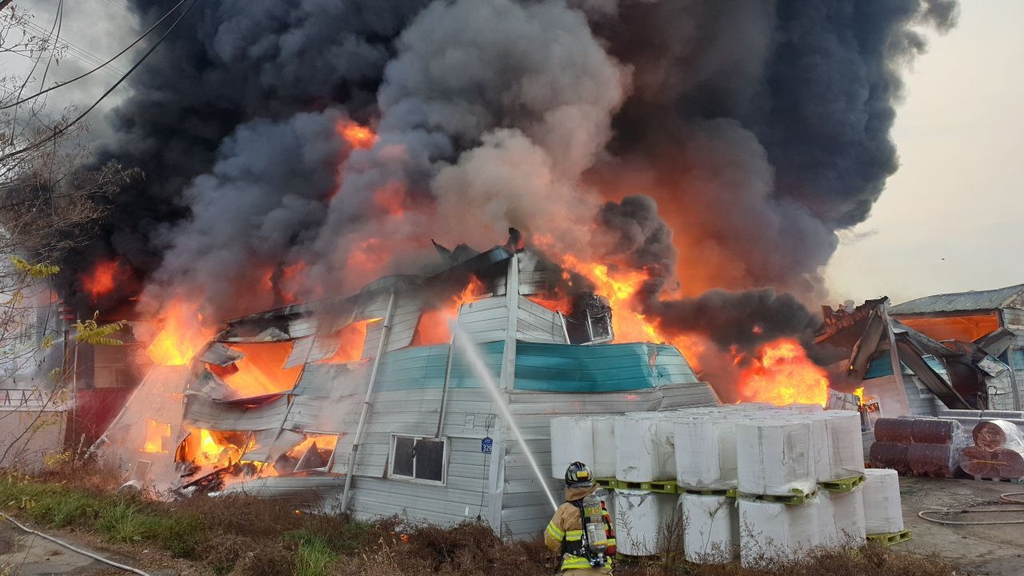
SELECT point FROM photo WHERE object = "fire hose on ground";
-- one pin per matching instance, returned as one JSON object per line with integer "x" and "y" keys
{"x": 86, "y": 553}
{"x": 1007, "y": 497}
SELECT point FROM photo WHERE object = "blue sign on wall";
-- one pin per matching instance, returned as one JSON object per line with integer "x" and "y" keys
{"x": 486, "y": 445}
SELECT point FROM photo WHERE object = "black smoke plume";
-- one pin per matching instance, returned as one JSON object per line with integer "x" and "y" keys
{"x": 739, "y": 136}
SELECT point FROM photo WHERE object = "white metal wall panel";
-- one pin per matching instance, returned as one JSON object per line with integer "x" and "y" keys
{"x": 536, "y": 323}
{"x": 204, "y": 413}
{"x": 485, "y": 320}
{"x": 535, "y": 275}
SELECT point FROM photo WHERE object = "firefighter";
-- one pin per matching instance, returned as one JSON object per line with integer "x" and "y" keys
{"x": 581, "y": 530}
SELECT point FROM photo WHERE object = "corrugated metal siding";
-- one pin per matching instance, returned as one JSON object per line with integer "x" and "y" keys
{"x": 329, "y": 397}
{"x": 960, "y": 301}
{"x": 535, "y": 275}
{"x": 403, "y": 326}
{"x": 921, "y": 401}
{"x": 414, "y": 412}
{"x": 536, "y": 323}
{"x": 887, "y": 391}
{"x": 485, "y": 320}
{"x": 1013, "y": 317}
{"x": 604, "y": 368}
{"x": 526, "y": 510}
{"x": 204, "y": 413}
{"x": 424, "y": 367}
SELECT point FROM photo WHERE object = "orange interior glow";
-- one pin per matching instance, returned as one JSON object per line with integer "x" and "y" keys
{"x": 261, "y": 371}
{"x": 433, "y": 327}
{"x": 101, "y": 279}
{"x": 784, "y": 375}
{"x": 323, "y": 442}
{"x": 156, "y": 432}
{"x": 352, "y": 340}
{"x": 215, "y": 448}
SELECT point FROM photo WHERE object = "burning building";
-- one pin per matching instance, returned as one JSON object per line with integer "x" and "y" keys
{"x": 378, "y": 403}
{"x": 954, "y": 354}
{"x": 695, "y": 160}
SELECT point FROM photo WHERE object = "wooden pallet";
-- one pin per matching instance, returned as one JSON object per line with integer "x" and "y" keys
{"x": 1007, "y": 480}
{"x": 652, "y": 559}
{"x": 890, "y": 538}
{"x": 609, "y": 483}
{"x": 660, "y": 486}
{"x": 795, "y": 499}
{"x": 727, "y": 492}
{"x": 842, "y": 484}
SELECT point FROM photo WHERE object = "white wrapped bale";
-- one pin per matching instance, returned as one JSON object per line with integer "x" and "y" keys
{"x": 821, "y": 458}
{"x": 711, "y": 528}
{"x": 775, "y": 457}
{"x": 572, "y": 440}
{"x": 604, "y": 447}
{"x": 706, "y": 452}
{"x": 837, "y": 447}
{"x": 772, "y": 530}
{"x": 804, "y": 408}
{"x": 644, "y": 449}
{"x": 841, "y": 519}
{"x": 883, "y": 507}
{"x": 640, "y": 518}
{"x": 846, "y": 451}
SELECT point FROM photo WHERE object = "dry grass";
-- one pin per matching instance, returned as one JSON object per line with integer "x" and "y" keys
{"x": 243, "y": 536}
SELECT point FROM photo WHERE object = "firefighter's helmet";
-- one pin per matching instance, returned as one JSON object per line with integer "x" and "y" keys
{"x": 578, "y": 475}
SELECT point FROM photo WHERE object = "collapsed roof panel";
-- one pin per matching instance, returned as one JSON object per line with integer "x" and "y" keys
{"x": 1009, "y": 296}
{"x": 210, "y": 415}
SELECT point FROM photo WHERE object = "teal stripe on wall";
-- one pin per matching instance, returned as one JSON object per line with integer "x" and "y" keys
{"x": 541, "y": 367}
{"x": 602, "y": 368}
{"x": 424, "y": 367}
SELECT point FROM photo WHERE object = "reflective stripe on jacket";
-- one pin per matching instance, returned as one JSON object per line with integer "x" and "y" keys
{"x": 565, "y": 532}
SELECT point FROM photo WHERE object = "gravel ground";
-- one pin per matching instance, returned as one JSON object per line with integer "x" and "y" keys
{"x": 992, "y": 550}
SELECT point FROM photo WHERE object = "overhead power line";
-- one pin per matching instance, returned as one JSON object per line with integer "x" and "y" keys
{"x": 112, "y": 58}
{"x": 57, "y": 132}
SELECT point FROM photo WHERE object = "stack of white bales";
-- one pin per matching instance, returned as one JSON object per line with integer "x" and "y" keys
{"x": 644, "y": 453}
{"x": 770, "y": 457}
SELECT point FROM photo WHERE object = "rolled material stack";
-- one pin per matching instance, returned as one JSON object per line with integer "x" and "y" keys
{"x": 997, "y": 453}
{"x": 918, "y": 446}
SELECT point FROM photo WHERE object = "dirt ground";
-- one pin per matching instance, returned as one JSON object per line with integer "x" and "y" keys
{"x": 983, "y": 550}
{"x": 994, "y": 550}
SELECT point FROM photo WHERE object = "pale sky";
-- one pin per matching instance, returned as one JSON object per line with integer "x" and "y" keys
{"x": 947, "y": 220}
{"x": 950, "y": 218}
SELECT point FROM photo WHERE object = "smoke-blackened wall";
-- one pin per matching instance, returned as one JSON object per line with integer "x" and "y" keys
{"x": 716, "y": 144}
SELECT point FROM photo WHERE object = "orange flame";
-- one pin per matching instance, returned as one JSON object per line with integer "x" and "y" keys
{"x": 323, "y": 442}
{"x": 261, "y": 371}
{"x": 181, "y": 336}
{"x": 356, "y": 135}
{"x": 352, "y": 340}
{"x": 216, "y": 448}
{"x": 433, "y": 327}
{"x": 101, "y": 279}
{"x": 629, "y": 324}
{"x": 784, "y": 375}
{"x": 155, "y": 434}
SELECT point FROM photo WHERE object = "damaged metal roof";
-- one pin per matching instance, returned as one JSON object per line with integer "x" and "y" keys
{"x": 962, "y": 301}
